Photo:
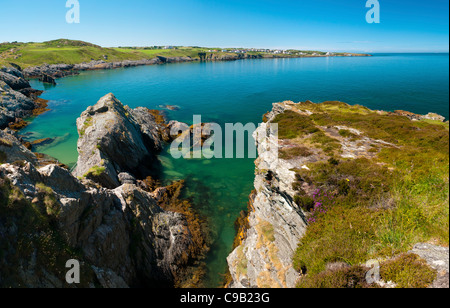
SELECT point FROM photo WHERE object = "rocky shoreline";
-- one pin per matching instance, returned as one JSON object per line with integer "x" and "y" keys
{"x": 53, "y": 71}
{"x": 17, "y": 99}
{"x": 106, "y": 210}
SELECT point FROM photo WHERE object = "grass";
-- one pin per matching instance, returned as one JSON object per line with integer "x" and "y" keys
{"x": 408, "y": 271}
{"x": 383, "y": 206}
{"x": 345, "y": 278}
{"x": 292, "y": 125}
{"x": 326, "y": 143}
{"x": 87, "y": 123}
{"x": 347, "y": 134}
{"x": 6, "y": 143}
{"x": 63, "y": 51}
{"x": 300, "y": 151}
{"x": 268, "y": 231}
{"x": 74, "y": 52}
{"x": 95, "y": 171}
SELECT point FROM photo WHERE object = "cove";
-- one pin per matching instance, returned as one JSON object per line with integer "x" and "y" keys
{"x": 238, "y": 92}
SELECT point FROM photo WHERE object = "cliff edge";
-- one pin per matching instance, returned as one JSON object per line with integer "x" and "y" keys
{"x": 350, "y": 190}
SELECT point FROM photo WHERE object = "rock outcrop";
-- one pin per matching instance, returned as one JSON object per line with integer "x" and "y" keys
{"x": 121, "y": 231}
{"x": 13, "y": 78}
{"x": 17, "y": 99}
{"x": 63, "y": 70}
{"x": 124, "y": 238}
{"x": 115, "y": 139}
{"x": 417, "y": 117}
{"x": 264, "y": 258}
{"x": 13, "y": 105}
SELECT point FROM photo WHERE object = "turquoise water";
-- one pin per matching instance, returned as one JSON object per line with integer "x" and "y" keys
{"x": 242, "y": 91}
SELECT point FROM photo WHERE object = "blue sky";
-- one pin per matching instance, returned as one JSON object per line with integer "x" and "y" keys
{"x": 334, "y": 25}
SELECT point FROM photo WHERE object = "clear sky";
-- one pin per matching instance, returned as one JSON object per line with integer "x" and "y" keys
{"x": 329, "y": 25}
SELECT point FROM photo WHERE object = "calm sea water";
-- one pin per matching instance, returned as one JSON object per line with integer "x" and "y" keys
{"x": 242, "y": 91}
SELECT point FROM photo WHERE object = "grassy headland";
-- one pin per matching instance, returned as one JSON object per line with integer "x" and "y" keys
{"x": 75, "y": 52}
{"x": 392, "y": 194}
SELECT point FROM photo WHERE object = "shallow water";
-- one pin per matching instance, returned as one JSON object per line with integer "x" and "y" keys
{"x": 241, "y": 91}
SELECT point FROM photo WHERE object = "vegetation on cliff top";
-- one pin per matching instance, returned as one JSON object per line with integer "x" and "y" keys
{"x": 75, "y": 52}
{"x": 382, "y": 204}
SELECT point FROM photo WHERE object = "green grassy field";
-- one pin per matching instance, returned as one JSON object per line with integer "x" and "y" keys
{"x": 62, "y": 51}
{"x": 74, "y": 52}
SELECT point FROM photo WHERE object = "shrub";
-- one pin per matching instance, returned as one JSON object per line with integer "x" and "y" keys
{"x": 408, "y": 271}
{"x": 95, "y": 171}
{"x": 349, "y": 278}
{"x": 323, "y": 202}
{"x": 327, "y": 143}
{"x": 342, "y": 235}
{"x": 292, "y": 125}
{"x": 295, "y": 152}
{"x": 306, "y": 203}
{"x": 347, "y": 134}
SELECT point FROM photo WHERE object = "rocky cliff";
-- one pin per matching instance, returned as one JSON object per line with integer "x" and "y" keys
{"x": 328, "y": 198}
{"x": 17, "y": 99}
{"x": 103, "y": 218}
{"x": 276, "y": 223}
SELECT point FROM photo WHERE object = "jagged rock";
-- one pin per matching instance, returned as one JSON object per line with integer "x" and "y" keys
{"x": 111, "y": 141}
{"x": 151, "y": 131}
{"x": 276, "y": 223}
{"x": 16, "y": 83}
{"x": 109, "y": 279}
{"x": 126, "y": 178}
{"x": 15, "y": 71}
{"x": 418, "y": 117}
{"x": 122, "y": 232}
{"x": 11, "y": 149}
{"x": 13, "y": 105}
{"x": 47, "y": 79}
{"x": 119, "y": 229}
